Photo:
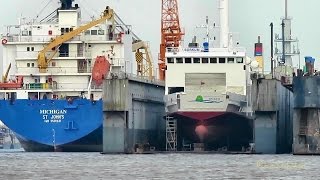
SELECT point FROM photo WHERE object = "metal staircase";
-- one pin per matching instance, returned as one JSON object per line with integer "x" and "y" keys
{"x": 171, "y": 134}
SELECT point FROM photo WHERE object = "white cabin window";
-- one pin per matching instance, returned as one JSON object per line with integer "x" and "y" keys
{"x": 24, "y": 33}
{"x": 94, "y": 32}
{"x": 230, "y": 60}
{"x": 239, "y": 60}
{"x": 170, "y": 60}
{"x": 28, "y": 64}
{"x": 196, "y": 60}
{"x": 187, "y": 60}
{"x": 32, "y": 48}
{"x": 87, "y": 32}
{"x": 53, "y": 64}
{"x": 32, "y": 64}
{"x": 205, "y": 60}
{"x": 100, "y": 32}
{"x": 28, "y": 48}
{"x": 213, "y": 60}
{"x": 179, "y": 60}
{"x": 62, "y": 31}
{"x": 222, "y": 60}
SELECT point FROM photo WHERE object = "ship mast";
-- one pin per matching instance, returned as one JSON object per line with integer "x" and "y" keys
{"x": 289, "y": 45}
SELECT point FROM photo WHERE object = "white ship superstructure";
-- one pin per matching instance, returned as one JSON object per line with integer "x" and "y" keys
{"x": 213, "y": 74}
{"x": 69, "y": 70}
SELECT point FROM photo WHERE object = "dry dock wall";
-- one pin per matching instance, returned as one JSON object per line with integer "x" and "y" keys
{"x": 306, "y": 120}
{"x": 272, "y": 105}
{"x": 133, "y": 114}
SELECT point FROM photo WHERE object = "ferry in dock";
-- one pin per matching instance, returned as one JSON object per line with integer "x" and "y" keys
{"x": 207, "y": 100}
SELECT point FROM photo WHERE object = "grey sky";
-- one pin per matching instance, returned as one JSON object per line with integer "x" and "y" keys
{"x": 250, "y": 18}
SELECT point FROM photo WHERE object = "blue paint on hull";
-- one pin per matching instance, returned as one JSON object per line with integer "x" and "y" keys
{"x": 54, "y": 123}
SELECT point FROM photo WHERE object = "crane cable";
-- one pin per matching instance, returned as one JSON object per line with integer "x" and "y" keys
{"x": 49, "y": 1}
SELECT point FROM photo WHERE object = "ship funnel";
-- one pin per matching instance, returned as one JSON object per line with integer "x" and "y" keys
{"x": 309, "y": 65}
{"x": 224, "y": 22}
{"x": 66, "y": 4}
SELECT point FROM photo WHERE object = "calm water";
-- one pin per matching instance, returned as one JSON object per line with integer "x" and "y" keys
{"x": 91, "y": 166}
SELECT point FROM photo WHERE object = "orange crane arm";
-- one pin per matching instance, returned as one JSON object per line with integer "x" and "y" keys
{"x": 43, "y": 61}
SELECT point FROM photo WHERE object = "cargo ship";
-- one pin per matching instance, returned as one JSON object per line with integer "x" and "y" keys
{"x": 51, "y": 93}
{"x": 206, "y": 101}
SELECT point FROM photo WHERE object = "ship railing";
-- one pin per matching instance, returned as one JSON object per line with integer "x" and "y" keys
{"x": 30, "y": 53}
{"x": 47, "y": 38}
{"x": 60, "y": 86}
{"x": 197, "y": 50}
{"x": 146, "y": 78}
{"x": 57, "y": 70}
{"x": 34, "y": 38}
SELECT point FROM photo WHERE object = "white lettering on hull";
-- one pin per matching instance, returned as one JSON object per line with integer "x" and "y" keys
{"x": 53, "y": 116}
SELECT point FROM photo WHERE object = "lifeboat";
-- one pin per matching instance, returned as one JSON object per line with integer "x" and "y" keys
{"x": 18, "y": 83}
{"x": 100, "y": 70}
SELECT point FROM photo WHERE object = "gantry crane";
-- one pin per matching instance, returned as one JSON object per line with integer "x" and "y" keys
{"x": 43, "y": 61}
{"x": 142, "y": 52}
{"x": 171, "y": 33}
{"x": 143, "y": 69}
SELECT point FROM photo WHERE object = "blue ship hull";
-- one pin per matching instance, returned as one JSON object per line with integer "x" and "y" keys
{"x": 55, "y": 125}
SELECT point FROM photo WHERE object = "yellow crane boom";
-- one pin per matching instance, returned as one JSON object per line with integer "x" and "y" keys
{"x": 43, "y": 61}
{"x": 5, "y": 77}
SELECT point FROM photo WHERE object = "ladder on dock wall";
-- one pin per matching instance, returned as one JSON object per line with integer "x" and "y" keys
{"x": 171, "y": 134}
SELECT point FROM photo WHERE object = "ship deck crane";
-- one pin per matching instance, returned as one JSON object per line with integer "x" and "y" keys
{"x": 5, "y": 77}
{"x": 43, "y": 61}
{"x": 171, "y": 33}
{"x": 144, "y": 69}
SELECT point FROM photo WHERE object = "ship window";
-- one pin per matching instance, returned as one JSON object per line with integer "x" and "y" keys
{"x": 87, "y": 32}
{"x": 32, "y": 64}
{"x": 53, "y": 64}
{"x": 28, "y": 64}
{"x": 213, "y": 60}
{"x": 230, "y": 60}
{"x": 30, "y": 33}
{"x": 196, "y": 60}
{"x": 94, "y": 32}
{"x": 50, "y": 32}
{"x": 32, "y": 48}
{"x": 187, "y": 60}
{"x": 62, "y": 31}
{"x": 71, "y": 29}
{"x": 170, "y": 60}
{"x": 101, "y": 32}
{"x": 67, "y": 30}
{"x": 179, "y": 60}
{"x": 24, "y": 33}
{"x": 205, "y": 60}
{"x": 222, "y": 60}
{"x": 239, "y": 60}
{"x": 28, "y": 48}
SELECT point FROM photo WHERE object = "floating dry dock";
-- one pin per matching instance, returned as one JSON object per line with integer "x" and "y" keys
{"x": 133, "y": 114}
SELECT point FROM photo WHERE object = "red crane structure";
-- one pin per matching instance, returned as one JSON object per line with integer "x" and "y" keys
{"x": 171, "y": 33}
